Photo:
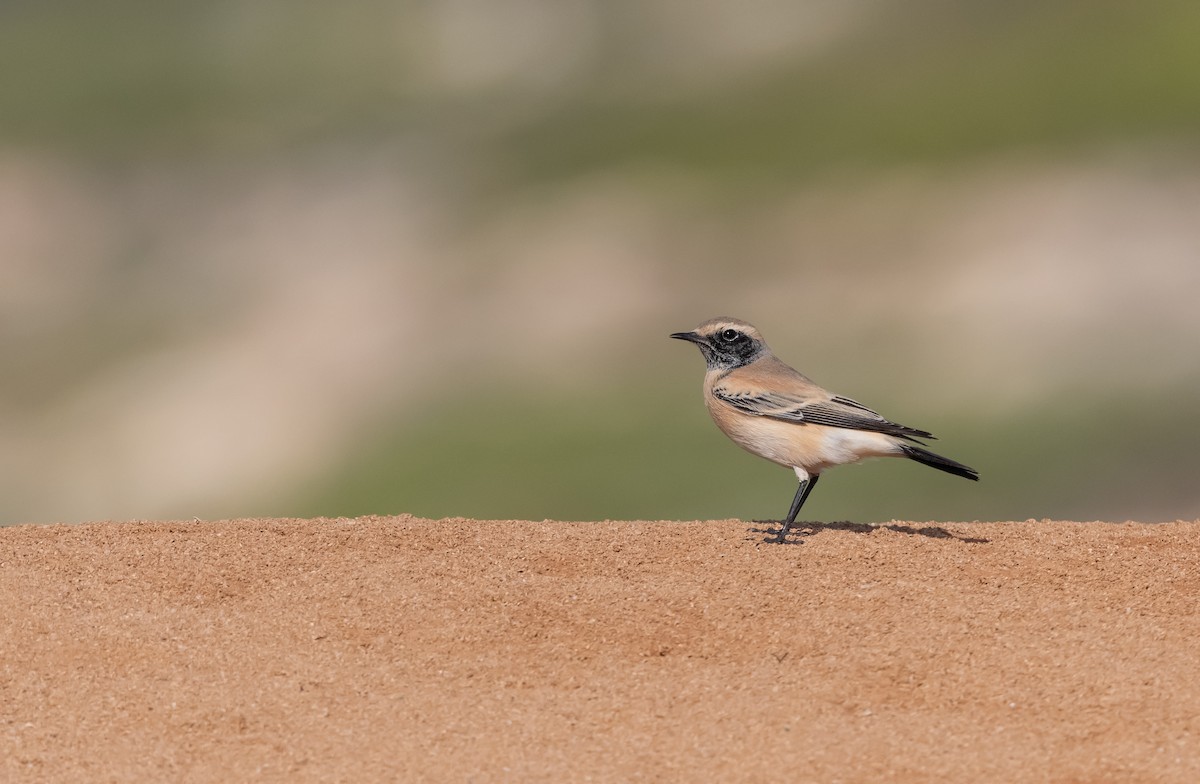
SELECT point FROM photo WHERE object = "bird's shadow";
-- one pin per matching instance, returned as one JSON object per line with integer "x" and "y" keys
{"x": 801, "y": 531}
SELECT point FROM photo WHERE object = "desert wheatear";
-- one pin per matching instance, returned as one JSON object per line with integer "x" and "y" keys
{"x": 773, "y": 411}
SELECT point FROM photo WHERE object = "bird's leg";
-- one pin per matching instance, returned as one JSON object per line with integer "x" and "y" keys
{"x": 802, "y": 492}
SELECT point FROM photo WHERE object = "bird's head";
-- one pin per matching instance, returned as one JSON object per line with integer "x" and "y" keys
{"x": 726, "y": 342}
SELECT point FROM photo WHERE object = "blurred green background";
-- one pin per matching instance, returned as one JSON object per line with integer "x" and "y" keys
{"x": 340, "y": 258}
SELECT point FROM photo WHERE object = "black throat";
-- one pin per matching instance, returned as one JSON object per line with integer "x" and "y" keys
{"x": 726, "y": 357}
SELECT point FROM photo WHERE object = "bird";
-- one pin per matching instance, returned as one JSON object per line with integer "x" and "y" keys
{"x": 776, "y": 412}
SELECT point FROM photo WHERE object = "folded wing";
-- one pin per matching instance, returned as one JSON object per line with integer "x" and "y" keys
{"x": 835, "y": 411}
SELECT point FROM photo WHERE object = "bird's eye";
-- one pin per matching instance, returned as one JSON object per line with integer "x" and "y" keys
{"x": 731, "y": 335}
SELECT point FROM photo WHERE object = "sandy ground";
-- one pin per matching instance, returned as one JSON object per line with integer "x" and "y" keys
{"x": 459, "y": 650}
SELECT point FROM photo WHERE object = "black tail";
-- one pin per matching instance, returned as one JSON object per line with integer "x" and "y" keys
{"x": 925, "y": 457}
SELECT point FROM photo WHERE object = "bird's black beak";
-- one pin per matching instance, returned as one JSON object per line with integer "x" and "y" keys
{"x": 689, "y": 336}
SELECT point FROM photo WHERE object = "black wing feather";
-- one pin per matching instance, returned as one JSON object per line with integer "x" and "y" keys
{"x": 837, "y": 412}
